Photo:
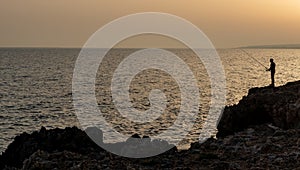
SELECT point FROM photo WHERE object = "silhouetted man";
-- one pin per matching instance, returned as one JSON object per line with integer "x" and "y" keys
{"x": 272, "y": 69}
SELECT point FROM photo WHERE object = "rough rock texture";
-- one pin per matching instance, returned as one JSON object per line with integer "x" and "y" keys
{"x": 257, "y": 147}
{"x": 67, "y": 144}
{"x": 71, "y": 139}
{"x": 279, "y": 106}
{"x": 261, "y": 132}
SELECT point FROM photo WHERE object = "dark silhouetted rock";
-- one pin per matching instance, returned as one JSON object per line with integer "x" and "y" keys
{"x": 259, "y": 146}
{"x": 279, "y": 106}
{"x": 24, "y": 145}
{"x": 266, "y": 136}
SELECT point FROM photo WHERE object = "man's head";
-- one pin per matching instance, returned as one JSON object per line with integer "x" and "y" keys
{"x": 271, "y": 60}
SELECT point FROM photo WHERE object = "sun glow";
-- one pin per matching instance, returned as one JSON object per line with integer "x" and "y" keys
{"x": 228, "y": 23}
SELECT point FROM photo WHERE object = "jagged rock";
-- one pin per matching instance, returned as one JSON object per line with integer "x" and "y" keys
{"x": 43, "y": 145}
{"x": 95, "y": 134}
{"x": 275, "y": 145}
{"x": 24, "y": 145}
{"x": 259, "y": 146}
{"x": 279, "y": 106}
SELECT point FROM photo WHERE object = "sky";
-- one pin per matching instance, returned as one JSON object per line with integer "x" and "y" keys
{"x": 227, "y": 23}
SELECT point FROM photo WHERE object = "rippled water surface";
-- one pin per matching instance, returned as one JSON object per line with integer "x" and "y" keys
{"x": 36, "y": 87}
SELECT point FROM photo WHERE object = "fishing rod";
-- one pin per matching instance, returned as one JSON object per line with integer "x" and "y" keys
{"x": 254, "y": 58}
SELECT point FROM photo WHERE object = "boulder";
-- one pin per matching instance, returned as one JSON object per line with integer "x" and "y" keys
{"x": 279, "y": 106}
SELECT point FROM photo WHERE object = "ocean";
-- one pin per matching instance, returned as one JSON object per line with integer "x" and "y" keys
{"x": 36, "y": 87}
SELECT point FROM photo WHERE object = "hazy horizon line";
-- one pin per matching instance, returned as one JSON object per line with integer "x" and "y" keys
{"x": 267, "y": 46}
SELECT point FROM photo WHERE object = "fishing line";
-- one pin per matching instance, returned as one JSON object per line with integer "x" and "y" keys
{"x": 254, "y": 58}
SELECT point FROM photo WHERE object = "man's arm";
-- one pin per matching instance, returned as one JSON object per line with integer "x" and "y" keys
{"x": 269, "y": 69}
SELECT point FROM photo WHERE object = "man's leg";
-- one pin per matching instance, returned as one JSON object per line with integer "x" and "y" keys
{"x": 273, "y": 79}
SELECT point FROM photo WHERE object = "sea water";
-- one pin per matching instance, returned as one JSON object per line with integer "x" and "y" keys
{"x": 36, "y": 87}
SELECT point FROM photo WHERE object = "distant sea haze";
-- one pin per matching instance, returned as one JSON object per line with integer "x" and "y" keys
{"x": 36, "y": 86}
{"x": 277, "y": 46}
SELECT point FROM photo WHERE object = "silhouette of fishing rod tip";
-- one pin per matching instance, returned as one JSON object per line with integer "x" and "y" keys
{"x": 254, "y": 59}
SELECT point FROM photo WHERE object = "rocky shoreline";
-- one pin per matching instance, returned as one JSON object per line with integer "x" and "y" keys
{"x": 261, "y": 132}
{"x": 279, "y": 106}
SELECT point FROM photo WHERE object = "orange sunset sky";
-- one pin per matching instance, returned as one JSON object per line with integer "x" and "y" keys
{"x": 227, "y": 23}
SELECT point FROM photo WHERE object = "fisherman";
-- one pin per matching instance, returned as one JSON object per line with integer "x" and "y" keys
{"x": 272, "y": 69}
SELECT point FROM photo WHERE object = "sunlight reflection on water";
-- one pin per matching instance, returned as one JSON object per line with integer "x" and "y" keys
{"x": 35, "y": 87}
